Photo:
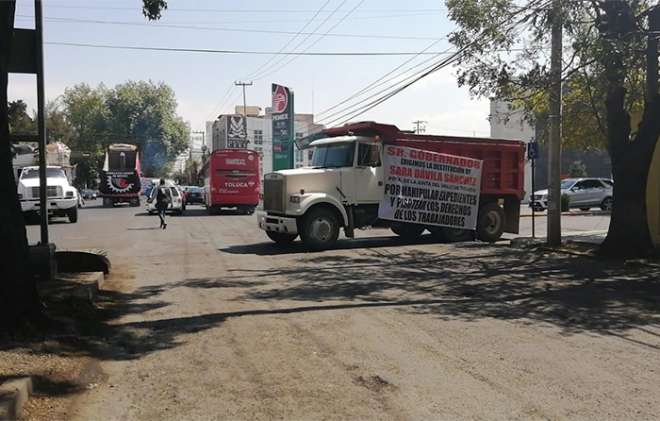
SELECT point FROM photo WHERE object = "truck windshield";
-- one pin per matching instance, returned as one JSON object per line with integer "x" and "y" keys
{"x": 50, "y": 173}
{"x": 333, "y": 155}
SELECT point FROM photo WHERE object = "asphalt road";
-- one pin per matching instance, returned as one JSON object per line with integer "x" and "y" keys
{"x": 217, "y": 323}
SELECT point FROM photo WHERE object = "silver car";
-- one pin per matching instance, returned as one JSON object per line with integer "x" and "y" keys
{"x": 583, "y": 193}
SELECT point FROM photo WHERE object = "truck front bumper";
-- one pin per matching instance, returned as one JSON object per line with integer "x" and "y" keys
{"x": 53, "y": 205}
{"x": 283, "y": 224}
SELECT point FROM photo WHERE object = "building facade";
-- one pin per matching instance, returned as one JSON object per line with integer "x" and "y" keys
{"x": 228, "y": 132}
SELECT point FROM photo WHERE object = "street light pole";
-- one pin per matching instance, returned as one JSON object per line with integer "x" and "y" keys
{"x": 554, "y": 141}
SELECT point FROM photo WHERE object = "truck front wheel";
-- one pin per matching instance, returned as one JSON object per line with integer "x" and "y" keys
{"x": 73, "y": 215}
{"x": 407, "y": 231}
{"x": 320, "y": 229}
{"x": 281, "y": 238}
{"x": 490, "y": 224}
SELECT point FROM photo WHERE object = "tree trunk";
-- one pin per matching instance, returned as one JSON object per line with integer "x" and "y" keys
{"x": 628, "y": 235}
{"x": 18, "y": 298}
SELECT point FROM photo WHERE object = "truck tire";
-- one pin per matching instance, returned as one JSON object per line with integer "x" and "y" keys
{"x": 281, "y": 238}
{"x": 73, "y": 214}
{"x": 490, "y": 224}
{"x": 320, "y": 229}
{"x": 456, "y": 235}
{"x": 407, "y": 231}
{"x": 135, "y": 202}
{"x": 107, "y": 202}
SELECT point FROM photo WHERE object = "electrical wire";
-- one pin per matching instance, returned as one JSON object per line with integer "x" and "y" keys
{"x": 263, "y": 73}
{"x": 363, "y": 108}
{"x": 243, "y": 52}
{"x": 222, "y": 29}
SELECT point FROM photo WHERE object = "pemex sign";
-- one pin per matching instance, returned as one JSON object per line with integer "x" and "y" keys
{"x": 282, "y": 115}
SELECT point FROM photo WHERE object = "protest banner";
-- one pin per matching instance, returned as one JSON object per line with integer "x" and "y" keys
{"x": 429, "y": 188}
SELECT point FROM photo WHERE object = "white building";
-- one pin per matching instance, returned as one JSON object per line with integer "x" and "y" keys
{"x": 508, "y": 123}
{"x": 227, "y": 131}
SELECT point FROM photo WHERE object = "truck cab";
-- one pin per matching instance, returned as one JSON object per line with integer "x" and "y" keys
{"x": 344, "y": 186}
{"x": 62, "y": 197}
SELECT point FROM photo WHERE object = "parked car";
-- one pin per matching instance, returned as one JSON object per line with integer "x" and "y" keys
{"x": 62, "y": 197}
{"x": 583, "y": 193}
{"x": 177, "y": 203}
{"x": 89, "y": 194}
{"x": 194, "y": 195}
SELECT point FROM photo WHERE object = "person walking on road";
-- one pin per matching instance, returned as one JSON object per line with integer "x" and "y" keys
{"x": 162, "y": 200}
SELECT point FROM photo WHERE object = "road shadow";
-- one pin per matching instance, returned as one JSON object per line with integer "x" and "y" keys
{"x": 270, "y": 248}
{"x": 466, "y": 282}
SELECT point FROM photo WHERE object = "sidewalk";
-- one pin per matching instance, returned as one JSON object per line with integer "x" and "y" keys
{"x": 526, "y": 212}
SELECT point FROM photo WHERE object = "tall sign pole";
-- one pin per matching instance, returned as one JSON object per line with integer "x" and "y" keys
{"x": 554, "y": 141}
{"x": 283, "y": 121}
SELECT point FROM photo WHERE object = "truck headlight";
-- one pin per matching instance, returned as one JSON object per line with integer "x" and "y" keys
{"x": 20, "y": 196}
{"x": 69, "y": 194}
{"x": 294, "y": 198}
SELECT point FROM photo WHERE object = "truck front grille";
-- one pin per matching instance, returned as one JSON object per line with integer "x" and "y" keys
{"x": 274, "y": 195}
{"x": 52, "y": 191}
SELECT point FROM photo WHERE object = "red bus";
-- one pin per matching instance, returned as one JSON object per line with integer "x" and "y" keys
{"x": 231, "y": 180}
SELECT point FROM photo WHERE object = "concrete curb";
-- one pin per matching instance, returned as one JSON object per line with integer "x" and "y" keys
{"x": 13, "y": 396}
{"x": 82, "y": 286}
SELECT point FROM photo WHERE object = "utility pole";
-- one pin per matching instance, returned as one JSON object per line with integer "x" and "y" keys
{"x": 419, "y": 126}
{"x": 554, "y": 141}
{"x": 652, "y": 54}
{"x": 244, "y": 84}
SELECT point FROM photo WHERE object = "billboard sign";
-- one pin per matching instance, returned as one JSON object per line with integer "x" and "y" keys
{"x": 429, "y": 188}
{"x": 283, "y": 137}
{"x": 236, "y": 133}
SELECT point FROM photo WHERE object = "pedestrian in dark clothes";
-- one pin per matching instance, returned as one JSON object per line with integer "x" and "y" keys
{"x": 162, "y": 200}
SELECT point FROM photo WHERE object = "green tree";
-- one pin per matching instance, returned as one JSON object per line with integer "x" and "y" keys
{"x": 20, "y": 121}
{"x": 503, "y": 48}
{"x": 577, "y": 169}
{"x": 144, "y": 113}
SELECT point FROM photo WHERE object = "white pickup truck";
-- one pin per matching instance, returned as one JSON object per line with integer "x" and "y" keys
{"x": 62, "y": 198}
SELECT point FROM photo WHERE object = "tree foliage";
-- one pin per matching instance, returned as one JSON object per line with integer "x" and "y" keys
{"x": 504, "y": 46}
{"x": 511, "y": 62}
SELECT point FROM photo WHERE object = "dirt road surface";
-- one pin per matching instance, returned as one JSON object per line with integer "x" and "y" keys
{"x": 212, "y": 322}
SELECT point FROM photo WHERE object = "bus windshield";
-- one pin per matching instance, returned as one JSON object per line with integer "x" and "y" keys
{"x": 334, "y": 155}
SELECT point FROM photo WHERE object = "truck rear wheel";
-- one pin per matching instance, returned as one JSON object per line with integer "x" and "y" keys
{"x": 135, "y": 202}
{"x": 320, "y": 229}
{"x": 456, "y": 235}
{"x": 281, "y": 238}
{"x": 407, "y": 231}
{"x": 73, "y": 215}
{"x": 107, "y": 202}
{"x": 490, "y": 224}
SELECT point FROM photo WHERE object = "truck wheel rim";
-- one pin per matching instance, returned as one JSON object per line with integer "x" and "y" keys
{"x": 607, "y": 204}
{"x": 321, "y": 229}
{"x": 493, "y": 224}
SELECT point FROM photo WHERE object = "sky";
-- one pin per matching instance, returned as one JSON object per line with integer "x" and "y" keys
{"x": 204, "y": 82}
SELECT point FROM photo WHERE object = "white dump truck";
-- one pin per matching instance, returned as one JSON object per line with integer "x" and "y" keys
{"x": 457, "y": 188}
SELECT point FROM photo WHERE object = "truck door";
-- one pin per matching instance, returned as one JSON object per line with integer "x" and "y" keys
{"x": 368, "y": 173}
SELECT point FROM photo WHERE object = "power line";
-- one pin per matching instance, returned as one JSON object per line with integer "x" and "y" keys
{"x": 219, "y": 10}
{"x": 243, "y": 52}
{"x": 296, "y": 35}
{"x": 263, "y": 73}
{"x": 380, "y": 81}
{"x": 294, "y": 57}
{"x": 221, "y": 29}
{"x": 347, "y": 116}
